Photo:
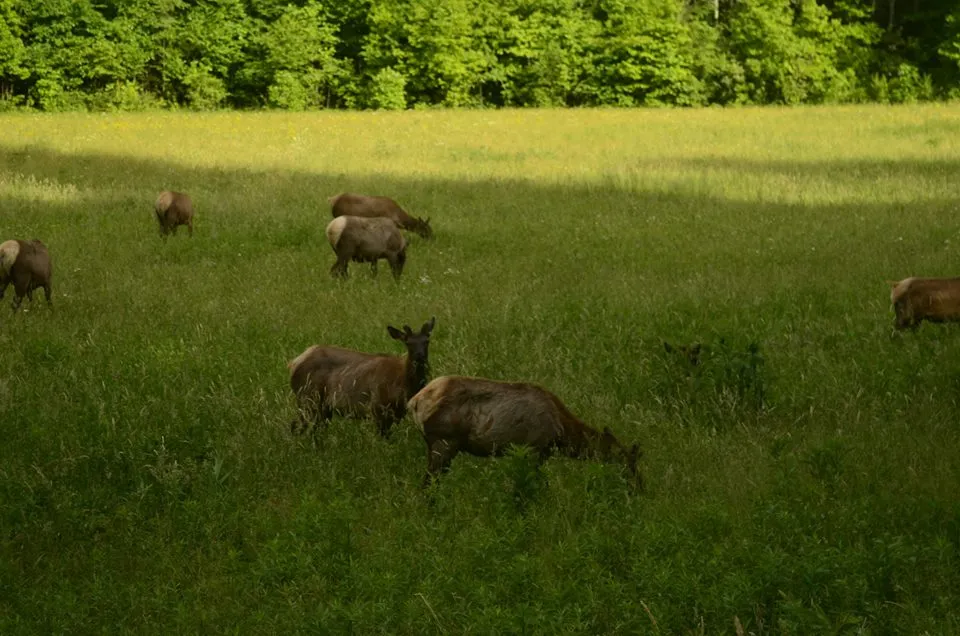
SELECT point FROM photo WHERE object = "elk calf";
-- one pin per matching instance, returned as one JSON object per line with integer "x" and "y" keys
{"x": 27, "y": 265}
{"x": 173, "y": 210}
{"x": 483, "y": 417}
{"x": 349, "y": 204}
{"x": 355, "y": 238}
{"x": 918, "y": 299}
{"x": 328, "y": 380}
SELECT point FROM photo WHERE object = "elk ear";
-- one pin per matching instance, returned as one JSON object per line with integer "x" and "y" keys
{"x": 395, "y": 333}
{"x": 428, "y": 327}
{"x": 667, "y": 347}
{"x": 407, "y": 330}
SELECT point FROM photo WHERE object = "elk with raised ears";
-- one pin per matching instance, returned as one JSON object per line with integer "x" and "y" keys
{"x": 332, "y": 380}
{"x": 484, "y": 417}
{"x": 350, "y": 204}
{"x": 27, "y": 265}
{"x": 918, "y": 299}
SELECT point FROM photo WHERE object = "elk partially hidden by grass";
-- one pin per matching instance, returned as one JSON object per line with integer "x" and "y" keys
{"x": 918, "y": 299}
{"x": 332, "y": 380}
{"x": 355, "y": 238}
{"x": 350, "y": 204}
{"x": 174, "y": 209}
{"x": 27, "y": 265}
{"x": 484, "y": 417}
{"x": 730, "y": 376}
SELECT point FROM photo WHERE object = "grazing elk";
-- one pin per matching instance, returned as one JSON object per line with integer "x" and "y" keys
{"x": 484, "y": 417}
{"x": 328, "y": 380}
{"x": 918, "y": 299}
{"x": 349, "y": 204}
{"x": 355, "y": 238}
{"x": 173, "y": 210}
{"x": 27, "y": 265}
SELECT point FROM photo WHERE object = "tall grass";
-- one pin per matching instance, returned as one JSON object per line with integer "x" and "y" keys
{"x": 149, "y": 483}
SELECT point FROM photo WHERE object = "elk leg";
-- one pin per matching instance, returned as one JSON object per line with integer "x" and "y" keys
{"x": 906, "y": 323}
{"x": 384, "y": 421}
{"x": 16, "y": 302}
{"x": 396, "y": 265}
{"x": 307, "y": 412}
{"x": 301, "y": 422}
{"x": 47, "y": 292}
{"x": 190, "y": 228}
{"x": 439, "y": 455}
{"x": 340, "y": 267}
{"x": 386, "y": 418}
{"x": 373, "y": 268}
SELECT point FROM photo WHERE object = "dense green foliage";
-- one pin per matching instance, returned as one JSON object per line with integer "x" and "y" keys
{"x": 149, "y": 482}
{"x": 301, "y": 54}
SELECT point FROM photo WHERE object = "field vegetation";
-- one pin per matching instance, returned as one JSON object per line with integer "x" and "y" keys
{"x": 802, "y": 479}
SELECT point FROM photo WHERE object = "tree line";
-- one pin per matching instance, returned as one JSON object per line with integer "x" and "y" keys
{"x": 392, "y": 54}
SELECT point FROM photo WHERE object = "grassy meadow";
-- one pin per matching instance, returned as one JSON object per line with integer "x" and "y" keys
{"x": 149, "y": 482}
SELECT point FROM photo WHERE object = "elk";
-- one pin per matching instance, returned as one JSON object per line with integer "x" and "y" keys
{"x": 917, "y": 299}
{"x": 690, "y": 352}
{"x": 174, "y": 209}
{"x": 27, "y": 265}
{"x": 726, "y": 370}
{"x": 484, "y": 417}
{"x": 350, "y": 204}
{"x": 355, "y": 238}
{"x": 329, "y": 380}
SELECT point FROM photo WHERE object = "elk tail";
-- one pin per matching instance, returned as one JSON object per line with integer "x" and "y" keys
{"x": 899, "y": 288}
{"x": 9, "y": 250}
{"x": 296, "y": 362}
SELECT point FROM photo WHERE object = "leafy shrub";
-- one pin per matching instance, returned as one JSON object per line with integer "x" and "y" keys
{"x": 909, "y": 86}
{"x": 290, "y": 92}
{"x": 204, "y": 90}
{"x": 123, "y": 96}
{"x": 387, "y": 90}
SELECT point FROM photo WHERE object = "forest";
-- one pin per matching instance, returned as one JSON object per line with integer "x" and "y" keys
{"x": 115, "y": 55}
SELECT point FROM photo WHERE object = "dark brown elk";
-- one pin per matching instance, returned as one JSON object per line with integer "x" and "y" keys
{"x": 331, "y": 380}
{"x": 173, "y": 210}
{"x": 27, "y": 265}
{"x": 355, "y": 238}
{"x": 350, "y": 204}
{"x": 918, "y": 299}
{"x": 484, "y": 417}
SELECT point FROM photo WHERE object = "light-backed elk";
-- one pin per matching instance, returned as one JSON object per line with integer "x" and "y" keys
{"x": 174, "y": 209}
{"x": 918, "y": 299}
{"x": 355, "y": 238}
{"x": 482, "y": 417}
{"x": 350, "y": 204}
{"x": 27, "y": 265}
{"x": 332, "y": 380}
